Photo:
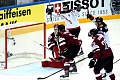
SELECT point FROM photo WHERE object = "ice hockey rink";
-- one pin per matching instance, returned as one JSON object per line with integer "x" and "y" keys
{"x": 34, "y": 70}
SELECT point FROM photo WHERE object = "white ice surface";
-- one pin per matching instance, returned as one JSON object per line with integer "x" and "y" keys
{"x": 34, "y": 70}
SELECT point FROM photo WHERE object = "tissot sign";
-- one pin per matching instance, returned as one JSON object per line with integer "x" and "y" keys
{"x": 96, "y": 8}
{"x": 85, "y": 4}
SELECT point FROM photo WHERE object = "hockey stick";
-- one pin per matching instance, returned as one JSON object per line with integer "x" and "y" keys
{"x": 116, "y": 61}
{"x": 43, "y": 46}
{"x": 80, "y": 53}
{"x": 39, "y": 78}
{"x": 46, "y": 48}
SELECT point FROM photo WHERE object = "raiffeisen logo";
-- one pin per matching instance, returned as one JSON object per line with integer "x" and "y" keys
{"x": 10, "y": 13}
{"x": 10, "y": 16}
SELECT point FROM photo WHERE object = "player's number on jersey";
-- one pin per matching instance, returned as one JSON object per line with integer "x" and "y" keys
{"x": 105, "y": 44}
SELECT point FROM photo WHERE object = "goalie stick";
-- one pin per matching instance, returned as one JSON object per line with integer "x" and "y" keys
{"x": 39, "y": 78}
{"x": 43, "y": 46}
{"x": 80, "y": 53}
{"x": 46, "y": 48}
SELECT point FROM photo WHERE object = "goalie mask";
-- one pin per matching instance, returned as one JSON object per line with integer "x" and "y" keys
{"x": 55, "y": 29}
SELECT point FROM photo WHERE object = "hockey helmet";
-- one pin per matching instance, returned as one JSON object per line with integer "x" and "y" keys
{"x": 55, "y": 26}
{"x": 65, "y": 6}
{"x": 93, "y": 32}
{"x": 98, "y": 19}
{"x": 61, "y": 27}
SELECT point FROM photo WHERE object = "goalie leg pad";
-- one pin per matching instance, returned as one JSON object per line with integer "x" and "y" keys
{"x": 45, "y": 63}
{"x": 56, "y": 50}
{"x": 56, "y": 64}
{"x": 53, "y": 64}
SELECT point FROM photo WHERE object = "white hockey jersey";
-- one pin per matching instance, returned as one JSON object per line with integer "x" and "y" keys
{"x": 70, "y": 18}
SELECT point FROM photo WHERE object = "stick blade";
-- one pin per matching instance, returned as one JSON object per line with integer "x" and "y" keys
{"x": 40, "y": 78}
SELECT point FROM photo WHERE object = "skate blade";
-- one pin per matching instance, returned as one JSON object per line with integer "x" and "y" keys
{"x": 104, "y": 79}
{"x": 67, "y": 78}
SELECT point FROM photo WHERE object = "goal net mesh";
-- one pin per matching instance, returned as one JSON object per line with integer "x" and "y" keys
{"x": 18, "y": 41}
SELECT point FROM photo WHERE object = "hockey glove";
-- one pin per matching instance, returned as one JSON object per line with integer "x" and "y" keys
{"x": 90, "y": 55}
{"x": 78, "y": 8}
{"x": 92, "y": 63}
{"x": 89, "y": 16}
{"x": 49, "y": 11}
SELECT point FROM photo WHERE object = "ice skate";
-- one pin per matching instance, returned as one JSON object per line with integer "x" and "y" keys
{"x": 73, "y": 70}
{"x": 80, "y": 53}
{"x": 104, "y": 76}
{"x": 65, "y": 76}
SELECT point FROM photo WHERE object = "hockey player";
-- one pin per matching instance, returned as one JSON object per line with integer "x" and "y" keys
{"x": 52, "y": 43}
{"x": 101, "y": 26}
{"x": 69, "y": 47}
{"x": 57, "y": 61}
{"x": 68, "y": 15}
{"x": 102, "y": 29}
{"x": 102, "y": 55}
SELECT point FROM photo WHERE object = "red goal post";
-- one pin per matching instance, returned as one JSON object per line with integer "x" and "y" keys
{"x": 18, "y": 39}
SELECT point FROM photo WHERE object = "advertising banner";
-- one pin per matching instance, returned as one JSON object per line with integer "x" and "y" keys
{"x": 96, "y": 8}
{"x": 33, "y": 13}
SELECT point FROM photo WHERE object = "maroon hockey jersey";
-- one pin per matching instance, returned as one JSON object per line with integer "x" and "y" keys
{"x": 52, "y": 41}
{"x": 100, "y": 48}
{"x": 65, "y": 39}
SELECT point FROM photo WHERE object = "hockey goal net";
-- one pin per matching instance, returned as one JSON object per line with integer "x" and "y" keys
{"x": 17, "y": 41}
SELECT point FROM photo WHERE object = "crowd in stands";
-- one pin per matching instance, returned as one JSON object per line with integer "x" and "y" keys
{"x": 4, "y": 3}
